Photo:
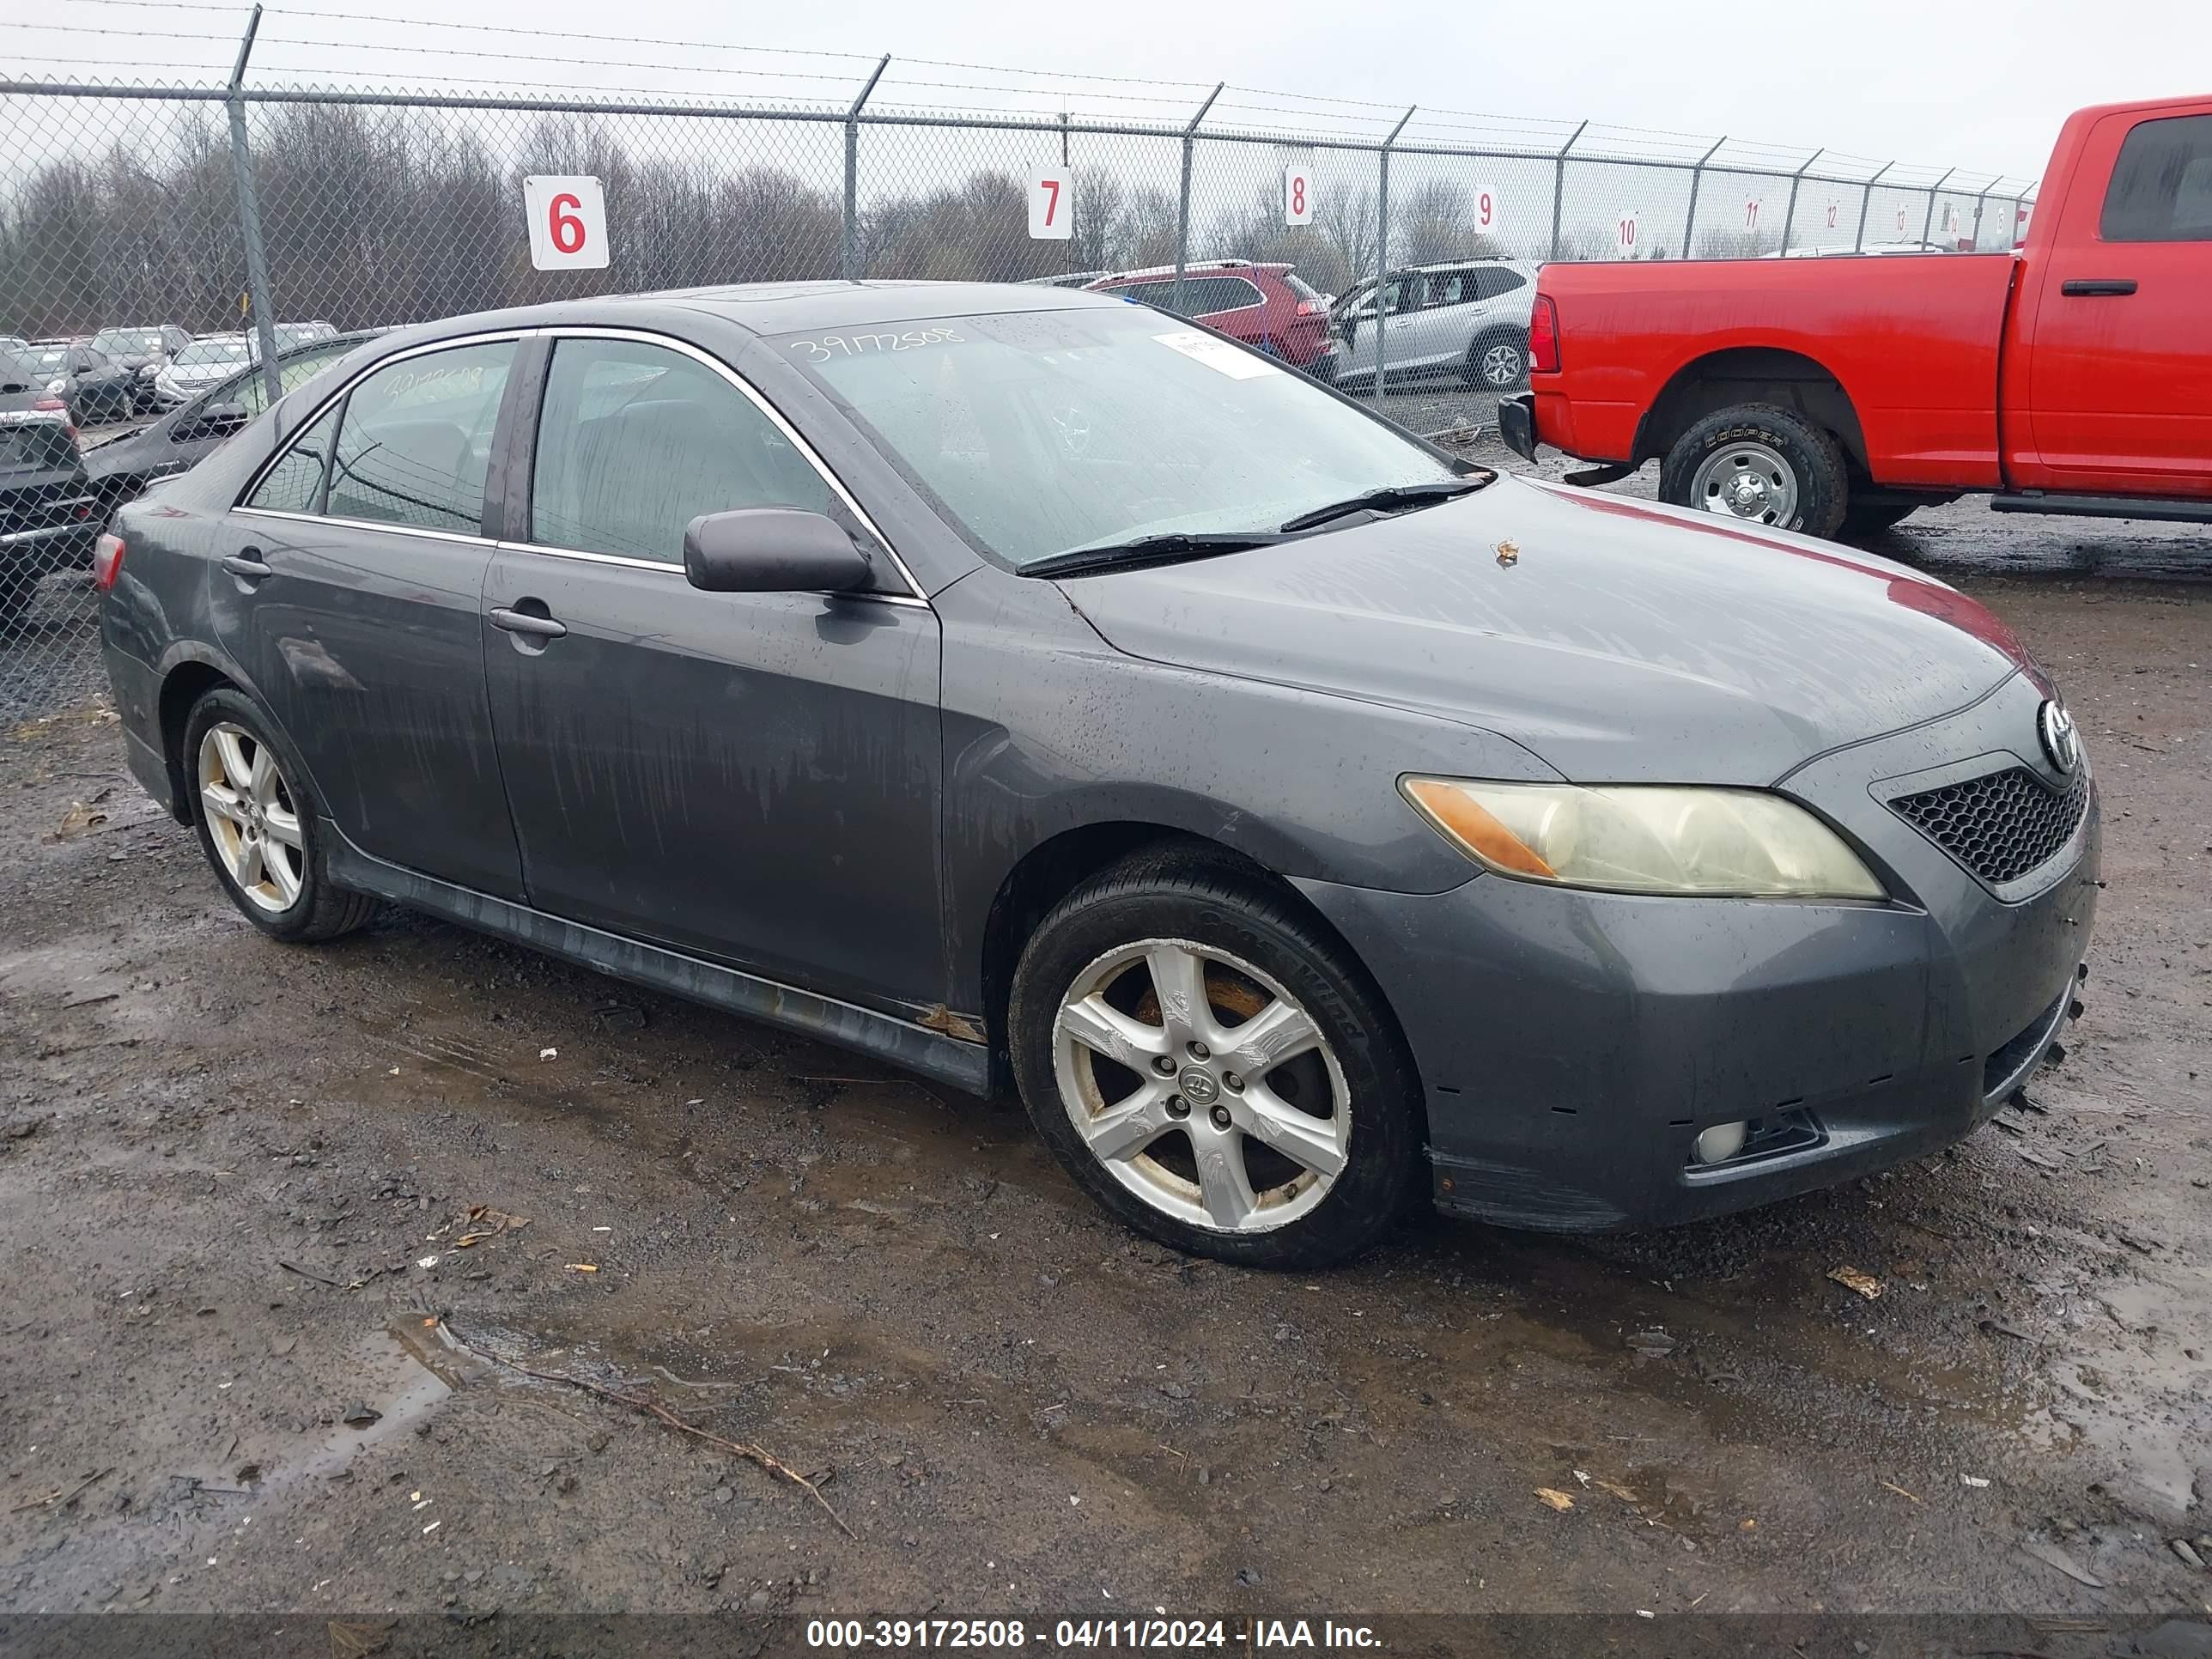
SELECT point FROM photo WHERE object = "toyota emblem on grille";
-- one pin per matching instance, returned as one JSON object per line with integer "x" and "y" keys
{"x": 2055, "y": 727}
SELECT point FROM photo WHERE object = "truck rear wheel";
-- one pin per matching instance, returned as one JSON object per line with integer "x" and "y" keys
{"x": 1763, "y": 465}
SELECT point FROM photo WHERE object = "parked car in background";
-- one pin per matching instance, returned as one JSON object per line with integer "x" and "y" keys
{"x": 143, "y": 351}
{"x": 123, "y": 467}
{"x": 93, "y": 386}
{"x": 200, "y": 364}
{"x": 1468, "y": 315}
{"x": 49, "y": 515}
{"x": 2072, "y": 374}
{"x": 1266, "y": 306}
{"x": 828, "y": 653}
{"x": 1068, "y": 279}
{"x": 298, "y": 334}
{"x": 24, "y": 380}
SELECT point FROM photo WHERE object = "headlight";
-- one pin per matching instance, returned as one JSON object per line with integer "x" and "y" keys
{"x": 147, "y": 371}
{"x": 57, "y": 387}
{"x": 1645, "y": 838}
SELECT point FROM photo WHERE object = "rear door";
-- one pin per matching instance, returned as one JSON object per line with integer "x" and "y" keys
{"x": 2120, "y": 346}
{"x": 350, "y": 588}
{"x": 1437, "y": 333}
{"x": 752, "y": 777}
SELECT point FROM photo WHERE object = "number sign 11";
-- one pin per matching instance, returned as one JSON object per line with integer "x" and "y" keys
{"x": 1052, "y": 216}
{"x": 568, "y": 222}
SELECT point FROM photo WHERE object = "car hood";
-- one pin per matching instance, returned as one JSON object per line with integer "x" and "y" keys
{"x": 1618, "y": 639}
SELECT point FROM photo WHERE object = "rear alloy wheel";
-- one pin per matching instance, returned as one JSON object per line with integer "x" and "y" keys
{"x": 1760, "y": 464}
{"x": 258, "y": 827}
{"x": 1206, "y": 1065}
{"x": 1496, "y": 363}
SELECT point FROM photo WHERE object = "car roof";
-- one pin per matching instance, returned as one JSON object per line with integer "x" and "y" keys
{"x": 772, "y": 307}
{"x": 1194, "y": 268}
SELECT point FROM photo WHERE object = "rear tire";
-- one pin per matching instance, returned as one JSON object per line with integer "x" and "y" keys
{"x": 1496, "y": 362}
{"x": 1202, "y": 1143}
{"x": 1759, "y": 464}
{"x": 260, "y": 826}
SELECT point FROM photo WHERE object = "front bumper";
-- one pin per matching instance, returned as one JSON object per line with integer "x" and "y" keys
{"x": 1573, "y": 1045}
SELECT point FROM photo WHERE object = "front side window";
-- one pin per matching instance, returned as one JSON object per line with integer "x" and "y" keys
{"x": 416, "y": 443}
{"x": 2161, "y": 188}
{"x": 295, "y": 484}
{"x": 635, "y": 440}
{"x": 1046, "y": 432}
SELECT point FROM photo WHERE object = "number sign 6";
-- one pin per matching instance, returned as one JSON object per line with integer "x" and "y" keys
{"x": 568, "y": 219}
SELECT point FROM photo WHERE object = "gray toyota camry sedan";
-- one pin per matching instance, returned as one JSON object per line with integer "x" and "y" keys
{"x": 1029, "y": 688}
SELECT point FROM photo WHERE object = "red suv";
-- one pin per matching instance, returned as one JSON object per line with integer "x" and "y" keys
{"x": 1264, "y": 305}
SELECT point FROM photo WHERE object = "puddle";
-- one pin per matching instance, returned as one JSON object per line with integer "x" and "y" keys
{"x": 406, "y": 1372}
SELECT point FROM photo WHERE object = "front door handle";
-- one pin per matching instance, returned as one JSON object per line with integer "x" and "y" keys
{"x": 246, "y": 567}
{"x": 2098, "y": 287}
{"x": 521, "y": 622}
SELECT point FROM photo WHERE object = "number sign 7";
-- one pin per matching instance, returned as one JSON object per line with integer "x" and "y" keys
{"x": 1050, "y": 219}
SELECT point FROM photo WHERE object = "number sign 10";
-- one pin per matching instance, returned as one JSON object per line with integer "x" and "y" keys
{"x": 568, "y": 222}
{"x": 1052, "y": 216}
{"x": 1625, "y": 235}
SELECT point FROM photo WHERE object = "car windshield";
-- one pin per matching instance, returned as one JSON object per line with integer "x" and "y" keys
{"x": 34, "y": 446}
{"x": 128, "y": 341}
{"x": 48, "y": 360}
{"x": 1043, "y": 433}
{"x": 213, "y": 354}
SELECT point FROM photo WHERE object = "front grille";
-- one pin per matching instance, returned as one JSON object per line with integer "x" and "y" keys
{"x": 2000, "y": 825}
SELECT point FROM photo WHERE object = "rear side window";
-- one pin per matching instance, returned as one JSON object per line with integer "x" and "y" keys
{"x": 295, "y": 484}
{"x": 416, "y": 442}
{"x": 1492, "y": 281}
{"x": 2161, "y": 188}
{"x": 635, "y": 440}
{"x": 35, "y": 447}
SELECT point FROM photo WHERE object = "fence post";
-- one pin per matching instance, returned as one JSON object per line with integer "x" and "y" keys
{"x": 249, "y": 216}
{"x": 1928, "y": 224}
{"x": 1696, "y": 178}
{"x": 1182, "y": 204}
{"x": 848, "y": 239}
{"x": 1559, "y": 184}
{"x": 1789, "y": 213}
{"x": 1866, "y": 201}
{"x": 1383, "y": 249}
{"x": 1979, "y": 202}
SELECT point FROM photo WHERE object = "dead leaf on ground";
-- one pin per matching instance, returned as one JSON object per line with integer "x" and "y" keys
{"x": 1556, "y": 1498}
{"x": 1852, "y": 1278}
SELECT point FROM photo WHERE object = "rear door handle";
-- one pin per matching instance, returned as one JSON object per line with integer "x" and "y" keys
{"x": 521, "y": 622}
{"x": 2098, "y": 287}
{"x": 246, "y": 568}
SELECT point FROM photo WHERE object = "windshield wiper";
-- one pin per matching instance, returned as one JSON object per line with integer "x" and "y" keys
{"x": 1148, "y": 549}
{"x": 1380, "y": 500}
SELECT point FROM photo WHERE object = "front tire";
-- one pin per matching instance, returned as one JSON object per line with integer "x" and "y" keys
{"x": 1762, "y": 464}
{"x": 258, "y": 825}
{"x": 1213, "y": 1070}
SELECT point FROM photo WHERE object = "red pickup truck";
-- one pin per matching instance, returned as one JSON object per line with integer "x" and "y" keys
{"x": 2073, "y": 374}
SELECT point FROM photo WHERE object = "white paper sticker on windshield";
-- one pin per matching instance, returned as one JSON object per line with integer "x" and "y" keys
{"x": 1216, "y": 355}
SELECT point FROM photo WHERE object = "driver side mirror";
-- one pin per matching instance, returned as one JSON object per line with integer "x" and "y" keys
{"x": 771, "y": 549}
{"x": 216, "y": 421}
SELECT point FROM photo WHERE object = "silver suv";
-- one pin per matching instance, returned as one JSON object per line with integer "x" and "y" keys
{"x": 1468, "y": 314}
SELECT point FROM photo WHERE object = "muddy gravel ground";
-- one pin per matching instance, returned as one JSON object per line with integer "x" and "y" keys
{"x": 280, "y": 1226}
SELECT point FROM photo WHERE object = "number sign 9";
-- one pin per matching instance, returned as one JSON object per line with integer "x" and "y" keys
{"x": 1486, "y": 201}
{"x": 568, "y": 222}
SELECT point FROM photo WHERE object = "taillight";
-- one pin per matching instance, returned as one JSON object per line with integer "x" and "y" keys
{"x": 49, "y": 405}
{"x": 1312, "y": 308}
{"x": 107, "y": 561}
{"x": 1544, "y": 338}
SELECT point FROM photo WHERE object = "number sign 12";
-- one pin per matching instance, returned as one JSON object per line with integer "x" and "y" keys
{"x": 1052, "y": 216}
{"x": 568, "y": 222}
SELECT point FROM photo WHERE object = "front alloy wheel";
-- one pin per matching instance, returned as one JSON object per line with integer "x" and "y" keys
{"x": 1202, "y": 1086}
{"x": 253, "y": 822}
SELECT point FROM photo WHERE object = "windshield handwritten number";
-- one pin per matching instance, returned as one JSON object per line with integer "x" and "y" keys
{"x": 562, "y": 220}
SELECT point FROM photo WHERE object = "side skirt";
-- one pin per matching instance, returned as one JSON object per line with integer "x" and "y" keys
{"x": 963, "y": 1065}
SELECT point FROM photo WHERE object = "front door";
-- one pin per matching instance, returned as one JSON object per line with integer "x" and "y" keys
{"x": 2120, "y": 350}
{"x": 350, "y": 589}
{"x": 753, "y": 777}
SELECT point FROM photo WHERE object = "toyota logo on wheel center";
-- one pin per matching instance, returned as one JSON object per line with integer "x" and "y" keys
{"x": 1198, "y": 1087}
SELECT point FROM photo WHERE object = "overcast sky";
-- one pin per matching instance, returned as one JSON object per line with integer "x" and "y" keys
{"x": 1973, "y": 83}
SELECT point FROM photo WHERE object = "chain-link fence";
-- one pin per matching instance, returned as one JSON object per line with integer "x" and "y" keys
{"x": 133, "y": 217}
